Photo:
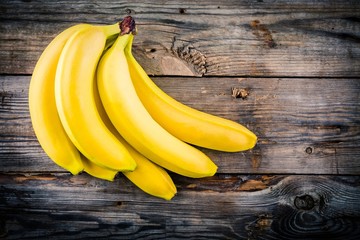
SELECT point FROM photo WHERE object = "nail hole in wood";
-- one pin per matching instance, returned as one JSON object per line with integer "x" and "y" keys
{"x": 129, "y": 11}
{"x": 309, "y": 150}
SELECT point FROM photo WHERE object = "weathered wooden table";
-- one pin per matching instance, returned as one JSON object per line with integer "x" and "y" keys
{"x": 299, "y": 62}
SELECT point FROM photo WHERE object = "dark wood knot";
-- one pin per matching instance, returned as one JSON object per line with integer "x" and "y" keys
{"x": 304, "y": 202}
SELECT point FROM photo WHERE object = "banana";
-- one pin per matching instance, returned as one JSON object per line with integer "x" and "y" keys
{"x": 44, "y": 117}
{"x": 74, "y": 95}
{"x": 150, "y": 177}
{"x": 147, "y": 176}
{"x": 135, "y": 124}
{"x": 90, "y": 167}
{"x": 186, "y": 123}
{"x": 98, "y": 171}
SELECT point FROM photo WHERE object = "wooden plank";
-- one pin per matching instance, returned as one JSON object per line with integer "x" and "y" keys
{"x": 226, "y": 38}
{"x": 59, "y": 206}
{"x": 304, "y": 125}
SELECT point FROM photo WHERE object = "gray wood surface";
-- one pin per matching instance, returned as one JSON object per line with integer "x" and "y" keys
{"x": 236, "y": 38}
{"x": 56, "y": 206}
{"x": 298, "y": 63}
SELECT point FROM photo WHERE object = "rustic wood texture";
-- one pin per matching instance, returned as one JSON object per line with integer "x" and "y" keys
{"x": 288, "y": 70}
{"x": 237, "y": 38}
{"x": 56, "y": 206}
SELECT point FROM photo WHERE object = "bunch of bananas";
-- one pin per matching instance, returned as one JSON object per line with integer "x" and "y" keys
{"x": 94, "y": 109}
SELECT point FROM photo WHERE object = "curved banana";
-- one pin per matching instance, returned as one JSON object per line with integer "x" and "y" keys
{"x": 44, "y": 117}
{"x": 186, "y": 123}
{"x": 150, "y": 177}
{"x": 74, "y": 95}
{"x": 147, "y": 176}
{"x": 135, "y": 124}
{"x": 98, "y": 171}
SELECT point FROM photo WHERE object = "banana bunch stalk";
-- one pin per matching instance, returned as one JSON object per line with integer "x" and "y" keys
{"x": 94, "y": 109}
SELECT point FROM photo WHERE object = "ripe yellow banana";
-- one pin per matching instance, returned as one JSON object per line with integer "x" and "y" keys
{"x": 135, "y": 124}
{"x": 45, "y": 120}
{"x": 90, "y": 167}
{"x": 98, "y": 171}
{"x": 186, "y": 123}
{"x": 74, "y": 95}
{"x": 148, "y": 176}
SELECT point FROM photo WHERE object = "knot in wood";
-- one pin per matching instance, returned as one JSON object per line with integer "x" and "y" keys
{"x": 188, "y": 53}
{"x": 240, "y": 92}
{"x": 304, "y": 202}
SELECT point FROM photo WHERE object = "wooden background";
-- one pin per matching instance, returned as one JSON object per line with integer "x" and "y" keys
{"x": 299, "y": 62}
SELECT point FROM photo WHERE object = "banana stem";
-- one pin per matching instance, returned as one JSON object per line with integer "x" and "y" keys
{"x": 110, "y": 30}
{"x": 127, "y": 26}
{"x": 110, "y": 41}
{"x": 122, "y": 41}
{"x": 128, "y": 47}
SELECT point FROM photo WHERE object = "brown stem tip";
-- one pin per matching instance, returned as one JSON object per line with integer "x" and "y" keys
{"x": 127, "y": 26}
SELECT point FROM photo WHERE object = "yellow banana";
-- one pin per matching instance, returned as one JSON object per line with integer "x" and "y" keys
{"x": 135, "y": 124}
{"x": 74, "y": 95}
{"x": 148, "y": 176}
{"x": 186, "y": 123}
{"x": 45, "y": 120}
{"x": 98, "y": 171}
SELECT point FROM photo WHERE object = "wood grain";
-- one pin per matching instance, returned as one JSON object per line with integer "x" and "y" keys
{"x": 304, "y": 125}
{"x": 222, "y": 38}
{"x": 58, "y": 206}
{"x": 288, "y": 70}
